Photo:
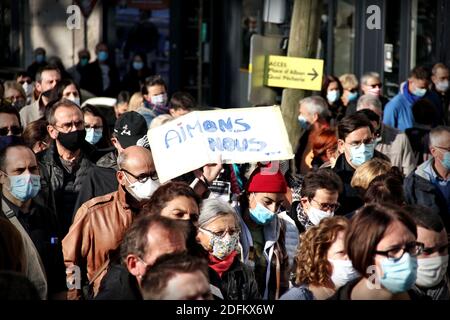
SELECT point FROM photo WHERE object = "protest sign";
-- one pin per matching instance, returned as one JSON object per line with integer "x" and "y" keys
{"x": 235, "y": 135}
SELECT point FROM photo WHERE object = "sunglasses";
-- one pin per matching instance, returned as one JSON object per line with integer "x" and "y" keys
{"x": 23, "y": 81}
{"x": 15, "y": 130}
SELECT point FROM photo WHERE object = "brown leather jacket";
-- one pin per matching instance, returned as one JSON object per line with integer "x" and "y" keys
{"x": 98, "y": 228}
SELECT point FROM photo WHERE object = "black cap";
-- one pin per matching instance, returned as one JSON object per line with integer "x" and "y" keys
{"x": 129, "y": 128}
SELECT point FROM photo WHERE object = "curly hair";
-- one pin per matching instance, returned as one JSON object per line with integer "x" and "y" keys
{"x": 313, "y": 266}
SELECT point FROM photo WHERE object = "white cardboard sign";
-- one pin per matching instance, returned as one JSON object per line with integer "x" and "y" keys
{"x": 235, "y": 135}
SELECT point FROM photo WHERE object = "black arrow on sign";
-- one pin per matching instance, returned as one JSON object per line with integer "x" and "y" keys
{"x": 315, "y": 74}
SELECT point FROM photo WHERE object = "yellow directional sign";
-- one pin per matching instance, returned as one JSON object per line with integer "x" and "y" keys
{"x": 295, "y": 73}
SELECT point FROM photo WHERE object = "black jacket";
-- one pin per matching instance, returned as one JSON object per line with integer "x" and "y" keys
{"x": 349, "y": 199}
{"x": 42, "y": 226}
{"x": 118, "y": 284}
{"x": 344, "y": 292}
{"x": 92, "y": 80}
{"x": 237, "y": 283}
{"x": 97, "y": 182}
{"x": 419, "y": 190}
{"x": 65, "y": 185}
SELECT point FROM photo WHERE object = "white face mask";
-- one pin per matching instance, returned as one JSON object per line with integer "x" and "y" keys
{"x": 374, "y": 91}
{"x": 316, "y": 215}
{"x": 442, "y": 86}
{"x": 142, "y": 191}
{"x": 431, "y": 271}
{"x": 76, "y": 100}
{"x": 343, "y": 272}
{"x": 159, "y": 99}
{"x": 28, "y": 88}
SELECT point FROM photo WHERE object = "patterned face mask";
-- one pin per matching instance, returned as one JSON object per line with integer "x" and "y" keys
{"x": 222, "y": 246}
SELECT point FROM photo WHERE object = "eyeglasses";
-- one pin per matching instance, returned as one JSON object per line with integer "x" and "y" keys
{"x": 142, "y": 178}
{"x": 413, "y": 248}
{"x": 327, "y": 206}
{"x": 15, "y": 130}
{"x": 376, "y": 85}
{"x": 66, "y": 127}
{"x": 441, "y": 249}
{"x": 442, "y": 148}
{"x": 357, "y": 144}
{"x": 221, "y": 234}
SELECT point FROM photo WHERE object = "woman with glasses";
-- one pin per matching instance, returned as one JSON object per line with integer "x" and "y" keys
{"x": 218, "y": 234}
{"x": 97, "y": 131}
{"x": 322, "y": 264}
{"x": 15, "y": 94}
{"x": 382, "y": 245}
{"x": 36, "y": 136}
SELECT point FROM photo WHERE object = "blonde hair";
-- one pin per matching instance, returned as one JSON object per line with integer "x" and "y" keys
{"x": 14, "y": 85}
{"x": 160, "y": 120}
{"x": 136, "y": 101}
{"x": 313, "y": 266}
{"x": 368, "y": 171}
{"x": 348, "y": 80}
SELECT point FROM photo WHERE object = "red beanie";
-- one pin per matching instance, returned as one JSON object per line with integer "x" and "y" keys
{"x": 267, "y": 181}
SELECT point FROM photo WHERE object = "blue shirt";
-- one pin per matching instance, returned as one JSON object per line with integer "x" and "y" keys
{"x": 398, "y": 112}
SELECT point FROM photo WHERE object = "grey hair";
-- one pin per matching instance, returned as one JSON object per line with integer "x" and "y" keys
{"x": 214, "y": 208}
{"x": 368, "y": 75}
{"x": 121, "y": 160}
{"x": 316, "y": 105}
{"x": 436, "y": 135}
{"x": 367, "y": 101}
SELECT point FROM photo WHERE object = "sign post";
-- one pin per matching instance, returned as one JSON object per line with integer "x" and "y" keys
{"x": 294, "y": 73}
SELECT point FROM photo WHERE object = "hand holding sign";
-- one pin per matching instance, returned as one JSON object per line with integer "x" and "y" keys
{"x": 238, "y": 135}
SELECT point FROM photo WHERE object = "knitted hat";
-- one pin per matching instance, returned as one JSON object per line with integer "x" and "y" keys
{"x": 263, "y": 179}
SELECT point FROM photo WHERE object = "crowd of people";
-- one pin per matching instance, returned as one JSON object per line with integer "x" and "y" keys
{"x": 361, "y": 212}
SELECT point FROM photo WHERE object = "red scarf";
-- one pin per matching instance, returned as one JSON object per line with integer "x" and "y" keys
{"x": 220, "y": 266}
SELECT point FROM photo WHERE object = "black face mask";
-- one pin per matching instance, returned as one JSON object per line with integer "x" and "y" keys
{"x": 73, "y": 140}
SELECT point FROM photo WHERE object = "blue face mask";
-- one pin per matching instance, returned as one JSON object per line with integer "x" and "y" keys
{"x": 304, "y": 124}
{"x": 399, "y": 276}
{"x": 102, "y": 56}
{"x": 419, "y": 92}
{"x": 25, "y": 186}
{"x": 93, "y": 135}
{"x": 361, "y": 154}
{"x": 138, "y": 65}
{"x": 333, "y": 96}
{"x": 352, "y": 96}
{"x": 446, "y": 160}
{"x": 261, "y": 215}
{"x": 84, "y": 61}
{"x": 40, "y": 58}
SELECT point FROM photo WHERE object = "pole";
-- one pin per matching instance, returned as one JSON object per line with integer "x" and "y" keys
{"x": 303, "y": 40}
{"x": 85, "y": 27}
